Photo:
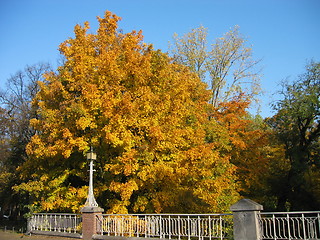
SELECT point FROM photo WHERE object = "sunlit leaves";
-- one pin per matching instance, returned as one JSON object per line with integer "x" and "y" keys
{"x": 145, "y": 116}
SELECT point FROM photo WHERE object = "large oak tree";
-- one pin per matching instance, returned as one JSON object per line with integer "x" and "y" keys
{"x": 144, "y": 115}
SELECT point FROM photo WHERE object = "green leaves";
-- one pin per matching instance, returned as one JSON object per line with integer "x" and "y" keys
{"x": 298, "y": 128}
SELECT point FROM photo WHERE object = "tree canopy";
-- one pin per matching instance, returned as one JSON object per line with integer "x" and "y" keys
{"x": 144, "y": 115}
{"x": 227, "y": 65}
{"x": 15, "y": 132}
{"x": 297, "y": 125}
{"x": 165, "y": 140}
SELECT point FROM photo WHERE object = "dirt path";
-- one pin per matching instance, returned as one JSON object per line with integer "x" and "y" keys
{"x": 19, "y": 236}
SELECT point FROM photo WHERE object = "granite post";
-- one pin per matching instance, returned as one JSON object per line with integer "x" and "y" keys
{"x": 245, "y": 220}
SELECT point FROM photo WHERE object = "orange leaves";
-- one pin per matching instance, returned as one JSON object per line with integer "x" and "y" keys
{"x": 107, "y": 26}
{"x": 126, "y": 164}
{"x": 145, "y": 116}
{"x": 248, "y": 139}
{"x": 233, "y": 116}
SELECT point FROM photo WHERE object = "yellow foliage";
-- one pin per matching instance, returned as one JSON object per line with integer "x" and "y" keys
{"x": 145, "y": 116}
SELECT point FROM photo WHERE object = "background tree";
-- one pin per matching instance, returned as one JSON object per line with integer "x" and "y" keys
{"x": 250, "y": 145}
{"x": 297, "y": 126}
{"x": 234, "y": 84}
{"x": 191, "y": 50}
{"x": 145, "y": 116}
{"x": 15, "y": 131}
{"x": 229, "y": 64}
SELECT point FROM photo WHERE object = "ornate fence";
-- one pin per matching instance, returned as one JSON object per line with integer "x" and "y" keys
{"x": 268, "y": 225}
{"x": 290, "y": 225}
{"x": 55, "y": 224}
{"x": 187, "y": 226}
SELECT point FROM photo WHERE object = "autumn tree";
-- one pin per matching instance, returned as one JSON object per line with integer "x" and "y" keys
{"x": 145, "y": 116}
{"x": 228, "y": 65}
{"x": 297, "y": 126}
{"x": 15, "y": 131}
{"x": 229, "y": 68}
{"x": 191, "y": 50}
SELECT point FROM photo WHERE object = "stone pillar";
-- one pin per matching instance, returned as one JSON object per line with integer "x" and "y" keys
{"x": 245, "y": 220}
{"x": 89, "y": 221}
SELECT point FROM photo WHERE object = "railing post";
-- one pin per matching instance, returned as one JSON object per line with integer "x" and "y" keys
{"x": 89, "y": 221}
{"x": 30, "y": 224}
{"x": 246, "y": 224}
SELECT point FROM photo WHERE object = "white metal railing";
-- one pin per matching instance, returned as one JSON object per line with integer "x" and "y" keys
{"x": 187, "y": 226}
{"x": 290, "y": 225}
{"x": 56, "y": 222}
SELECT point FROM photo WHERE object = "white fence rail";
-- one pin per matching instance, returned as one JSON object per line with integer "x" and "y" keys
{"x": 178, "y": 226}
{"x": 273, "y": 225}
{"x": 290, "y": 225}
{"x": 55, "y": 222}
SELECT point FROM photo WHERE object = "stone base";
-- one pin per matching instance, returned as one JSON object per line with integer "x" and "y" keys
{"x": 89, "y": 221}
{"x": 245, "y": 220}
{"x": 91, "y": 210}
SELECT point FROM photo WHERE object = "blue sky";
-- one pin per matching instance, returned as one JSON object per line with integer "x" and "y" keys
{"x": 285, "y": 34}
